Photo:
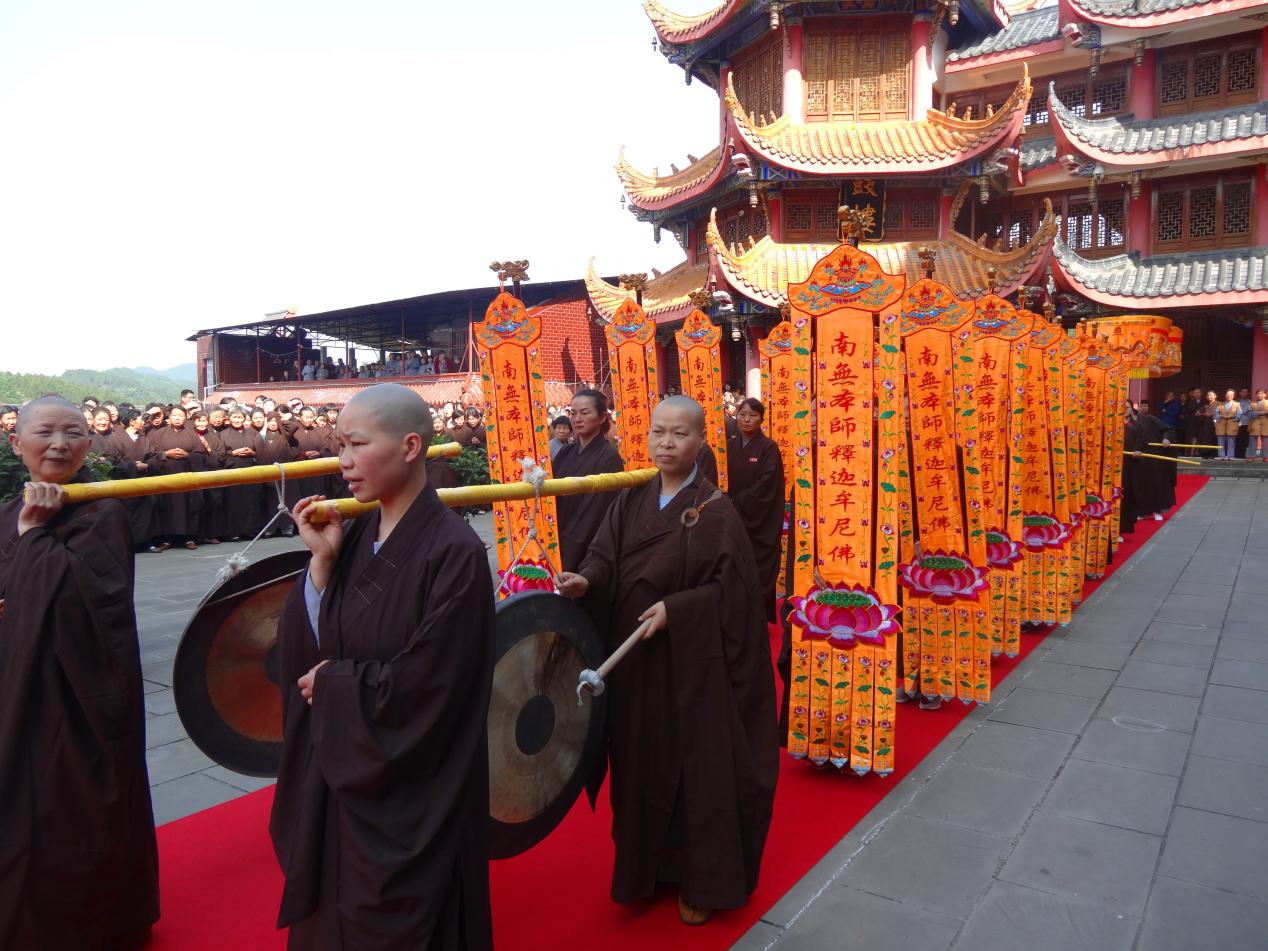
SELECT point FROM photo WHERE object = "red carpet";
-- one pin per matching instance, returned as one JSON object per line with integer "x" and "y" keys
{"x": 221, "y": 885}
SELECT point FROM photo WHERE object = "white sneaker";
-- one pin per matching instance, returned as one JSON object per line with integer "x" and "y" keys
{"x": 1157, "y": 517}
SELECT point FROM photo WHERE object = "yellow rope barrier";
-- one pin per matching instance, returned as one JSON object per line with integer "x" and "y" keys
{"x": 1150, "y": 455}
{"x": 487, "y": 494}
{"x": 217, "y": 478}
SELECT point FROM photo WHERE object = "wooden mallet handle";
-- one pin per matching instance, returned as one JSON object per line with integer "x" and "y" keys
{"x": 594, "y": 680}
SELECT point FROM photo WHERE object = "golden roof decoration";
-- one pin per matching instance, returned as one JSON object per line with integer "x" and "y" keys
{"x": 661, "y": 191}
{"x": 666, "y": 297}
{"x": 763, "y": 271}
{"x": 885, "y": 147}
{"x": 678, "y": 28}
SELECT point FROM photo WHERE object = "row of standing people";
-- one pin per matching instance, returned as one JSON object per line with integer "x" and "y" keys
{"x": 1236, "y": 424}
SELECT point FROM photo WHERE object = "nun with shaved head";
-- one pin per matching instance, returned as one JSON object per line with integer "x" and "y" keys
{"x": 692, "y": 741}
{"x": 380, "y": 819}
{"x": 78, "y": 858}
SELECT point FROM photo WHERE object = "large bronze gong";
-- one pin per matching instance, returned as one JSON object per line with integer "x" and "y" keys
{"x": 542, "y": 745}
{"x": 225, "y": 677}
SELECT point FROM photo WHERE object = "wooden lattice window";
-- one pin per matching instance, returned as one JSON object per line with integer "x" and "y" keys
{"x": 1087, "y": 98}
{"x": 811, "y": 216}
{"x": 739, "y": 223}
{"x": 1206, "y": 213}
{"x": 910, "y": 214}
{"x": 975, "y": 103}
{"x": 1208, "y": 77}
{"x": 858, "y": 72}
{"x": 1094, "y": 228}
{"x": 759, "y": 80}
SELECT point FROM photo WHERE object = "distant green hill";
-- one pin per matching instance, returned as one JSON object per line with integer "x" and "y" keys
{"x": 137, "y": 386}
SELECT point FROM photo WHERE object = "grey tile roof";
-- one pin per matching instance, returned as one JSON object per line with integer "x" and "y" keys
{"x": 1123, "y": 135}
{"x": 1136, "y": 8}
{"x": 1168, "y": 275}
{"x": 1026, "y": 29}
{"x": 1036, "y": 153}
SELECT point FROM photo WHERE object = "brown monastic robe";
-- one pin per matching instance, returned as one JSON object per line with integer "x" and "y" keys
{"x": 142, "y": 510}
{"x": 308, "y": 440}
{"x": 78, "y": 858}
{"x": 380, "y": 820}
{"x": 691, "y": 722}
{"x": 755, "y": 483}
{"x": 178, "y": 512}
{"x": 240, "y": 515}
{"x": 581, "y": 515}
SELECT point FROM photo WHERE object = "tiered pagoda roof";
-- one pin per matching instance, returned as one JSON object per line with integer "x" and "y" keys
{"x": 877, "y": 148}
{"x": 678, "y": 28}
{"x": 763, "y": 271}
{"x": 1143, "y": 14}
{"x": 1021, "y": 38}
{"x": 655, "y": 192}
{"x": 1142, "y": 143}
{"x": 1191, "y": 279}
{"x": 666, "y": 298}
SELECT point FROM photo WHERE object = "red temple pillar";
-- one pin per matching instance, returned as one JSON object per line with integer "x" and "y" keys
{"x": 1139, "y": 228}
{"x": 945, "y": 224}
{"x": 794, "y": 97}
{"x": 1263, "y": 79}
{"x": 775, "y": 216}
{"x": 1142, "y": 87}
{"x": 1259, "y": 358}
{"x": 921, "y": 66}
{"x": 1261, "y": 204}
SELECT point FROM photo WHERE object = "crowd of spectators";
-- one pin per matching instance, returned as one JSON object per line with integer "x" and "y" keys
{"x": 405, "y": 363}
{"x": 1232, "y": 427}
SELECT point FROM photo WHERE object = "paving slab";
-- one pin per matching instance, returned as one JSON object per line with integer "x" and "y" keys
{"x": 1044, "y": 710}
{"x": 1235, "y": 740}
{"x": 1129, "y": 744}
{"x": 1016, "y": 749}
{"x": 870, "y": 921}
{"x": 1167, "y": 678}
{"x": 1218, "y": 851}
{"x": 1182, "y": 916}
{"x": 988, "y": 800}
{"x": 1113, "y": 795}
{"x": 1014, "y": 917}
{"x": 1083, "y": 654}
{"x": 1237, "y": 703}
{"x": 1241, "y": 648}
{"x": 1090, "y": 682}
{"x": 1167, "y": 710}
{"x": 1182, "y": 633}
{"x": 896, "y": 864}
{"x": 185, "y": 795}
{"x": 1198, "y": 656}
{"x": 1226, "y": 787}
{"x": 1228, "y": 672}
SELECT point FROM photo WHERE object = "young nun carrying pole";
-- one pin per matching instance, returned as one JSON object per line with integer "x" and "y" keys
{"x": 693, "y": 746}
{"x": 78, "y": 859}
{"x": 380, "y": 820}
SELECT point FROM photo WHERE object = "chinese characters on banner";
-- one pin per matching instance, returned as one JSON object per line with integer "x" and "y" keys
{"x": 700, "y": 367}
{"x": 510, "y": 365}
{"x": 847, "y": 440}
{"x": 776, "y": 355}
{"x": 948, "y": 648}
{"x": 632, "y": 358}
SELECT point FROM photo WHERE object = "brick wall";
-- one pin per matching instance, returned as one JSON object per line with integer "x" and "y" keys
{"x": 573, "y": 348}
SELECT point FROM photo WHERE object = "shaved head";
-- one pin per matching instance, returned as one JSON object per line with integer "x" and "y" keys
{"x": 391, "y": 408}
{"x": 43, "y": 404}
{"x": 686, "y": 405}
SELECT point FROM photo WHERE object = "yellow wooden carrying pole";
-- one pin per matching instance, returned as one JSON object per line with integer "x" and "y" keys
{"x": 507, "y": 492}
{"x": 217, "y": 478}
{"x": 1150, "y": 455}
{"x": 1184, "y": 445}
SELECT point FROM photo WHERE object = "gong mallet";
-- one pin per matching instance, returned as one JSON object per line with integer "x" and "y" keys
{"x": 594, "y": 681}
{"x": 217, "y": 478}
{"x": 1150, "y": 455}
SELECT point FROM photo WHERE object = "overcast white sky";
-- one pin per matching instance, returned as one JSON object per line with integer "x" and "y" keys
{"x": 173, "y": 166}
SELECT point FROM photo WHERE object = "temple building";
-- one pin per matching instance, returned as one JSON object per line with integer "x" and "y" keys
{"x": 1109, "y": 154}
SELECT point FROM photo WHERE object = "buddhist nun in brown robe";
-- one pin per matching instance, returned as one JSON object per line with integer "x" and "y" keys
{"x": 78, "y": 859}
{"x": 589, "y": 453}
{"x": 755, "y": 483}
{"x": 176, "y": 448}
{"x": 691, "y": 724}
{"x": 380, "y": 820}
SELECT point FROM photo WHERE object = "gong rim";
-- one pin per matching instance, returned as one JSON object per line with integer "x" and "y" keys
{"x": 524, "y": 618}
{"x": 210, "y": 675}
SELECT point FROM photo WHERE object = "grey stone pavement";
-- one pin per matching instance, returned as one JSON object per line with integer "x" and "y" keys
{"x": 169, "y": 587}
{"x": 1113, "y": 796}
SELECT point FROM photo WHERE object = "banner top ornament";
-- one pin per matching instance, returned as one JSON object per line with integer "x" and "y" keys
{"x": 847, "y": 277}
